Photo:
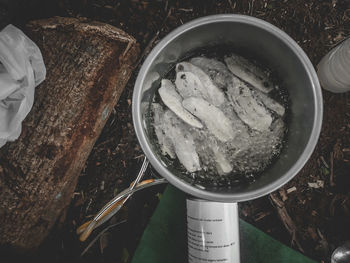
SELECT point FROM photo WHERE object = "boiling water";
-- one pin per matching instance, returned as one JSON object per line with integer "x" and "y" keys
{"x": 255, "y": 142}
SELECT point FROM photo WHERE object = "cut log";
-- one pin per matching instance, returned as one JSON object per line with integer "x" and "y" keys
{"x": 88, "y": 64}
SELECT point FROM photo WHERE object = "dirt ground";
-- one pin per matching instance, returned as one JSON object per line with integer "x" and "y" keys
{"x": 312, "y": 220}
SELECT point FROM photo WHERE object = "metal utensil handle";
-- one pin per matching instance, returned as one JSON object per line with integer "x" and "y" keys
{"x": 139, "y": 176}
{"x": 85, "y": 229}
{"x": 116, "y": 199}
{"x": 131, "y": 191}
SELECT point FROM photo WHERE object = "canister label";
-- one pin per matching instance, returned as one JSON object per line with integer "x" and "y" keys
{"x": 212, "y": 232}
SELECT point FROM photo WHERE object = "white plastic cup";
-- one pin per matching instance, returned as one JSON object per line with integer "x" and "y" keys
{"x": 334, "y": 69}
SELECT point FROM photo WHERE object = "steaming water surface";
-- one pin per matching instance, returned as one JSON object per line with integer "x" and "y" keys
{"x": 219, "y": 119}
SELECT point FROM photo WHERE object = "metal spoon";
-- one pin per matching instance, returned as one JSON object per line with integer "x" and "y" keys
{"x": 113, "y": 206}
{"x": 85, "y": 229}
{"x": 341, "y": 254}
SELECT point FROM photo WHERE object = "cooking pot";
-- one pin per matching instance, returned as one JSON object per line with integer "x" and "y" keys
{"x": 266, "y": 44}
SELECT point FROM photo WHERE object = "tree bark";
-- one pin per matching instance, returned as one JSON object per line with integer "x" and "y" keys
{"x": 88, "y": 64}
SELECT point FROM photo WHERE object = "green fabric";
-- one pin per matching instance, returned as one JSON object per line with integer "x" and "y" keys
{"x": 164, "y": 239}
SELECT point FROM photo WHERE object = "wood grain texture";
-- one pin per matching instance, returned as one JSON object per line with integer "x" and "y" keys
{"x": 88, "y": 65}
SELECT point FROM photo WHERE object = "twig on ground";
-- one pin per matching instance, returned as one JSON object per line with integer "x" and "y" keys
{"x": 88, "y": 205}
{"x": 283, "y": 194}
{"x": 332, "y": 205}
{"x": 149, "y": 46}
{"x": 292, "y": 189}
{"x": 323, "y": 242}
{"x": 261, "y": 215}
{"x": 331, "y": 177}
{"x": 139, "y": 156}
{"x": 251, "y": 7}
{"x": 166, "y": 5}
{"x": 286, "y": 219}
{"x": 104, "y": 142}
{"x": 342, "y": 203}
{"x": 186, "y": 9}
{"x": 337, "y": 150}
{"x": 324, "y": 162}
{"x": 317, "y": 184}
{"x": 232, "y": 5}
{"x": 98, "y": 236}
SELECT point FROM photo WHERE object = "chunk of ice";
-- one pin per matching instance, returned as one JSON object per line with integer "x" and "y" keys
{"x": 189, "y": 85}
{"x": 165, "y": 143}
{"x": 183, "y": 142}
{"x": 248, "y": 109}
{"x": 223, "y": 166}
{"x": 173, "y": 100}
{"x": 250, "y": 73}
{"x": 269, "y": 102}
{"x": 216, "y": 96}
{"x": 224, "y": 78}
{"x": 216, "y": 70}
{"x": 215, "y": 120}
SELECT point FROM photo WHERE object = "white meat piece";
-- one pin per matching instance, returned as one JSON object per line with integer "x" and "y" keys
{"x": 248, "y": 109}
{"x": 183, "y": 142}
{"x": 270, "y": 103}
{"x": 216, "y": 96}
{"x": 223, "y": 166}
{"x": 277, "y": 128}
{"x": 215, "y": 120}
{"x": 224, "y": 78}
{"x": 249, "y": 72}
{"x": 216, "y": 70}
{"x": 189, "y": 85}
{"x": 173, "y": 101}
{"x": 165, "y": 143}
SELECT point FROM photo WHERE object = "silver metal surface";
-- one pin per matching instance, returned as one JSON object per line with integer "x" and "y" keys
{"x": 110, "y": 203}
{"x": 341, "y": 254}
{"x": 122, "y": 194}
{"x": 139, "y": 177}
{"x": 267, "y": 44}
{"x": 97, "y": 221}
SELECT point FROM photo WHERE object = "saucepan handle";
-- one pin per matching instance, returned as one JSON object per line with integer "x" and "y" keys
{"x": 212, "y": 231}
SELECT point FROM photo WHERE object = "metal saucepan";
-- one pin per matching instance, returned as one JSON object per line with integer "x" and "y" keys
{"x": 279, "y": 52}
{"x": 264, "y": 42}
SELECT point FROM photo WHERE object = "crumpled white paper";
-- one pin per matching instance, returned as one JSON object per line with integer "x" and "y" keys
{"x": 21, "y": 69}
